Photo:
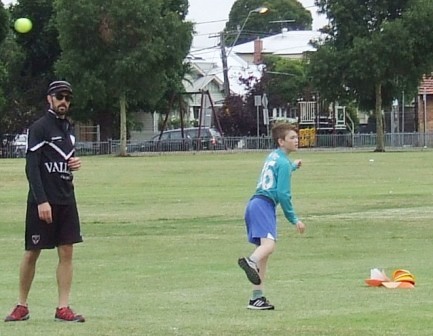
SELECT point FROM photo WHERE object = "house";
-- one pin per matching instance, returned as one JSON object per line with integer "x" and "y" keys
{"x": 244, "y": 61}
{"x": 294, "y": 45}
{"x": 207, "y": 75}
{"x": 425, "y": 106}
{"x": 291, "y": 44}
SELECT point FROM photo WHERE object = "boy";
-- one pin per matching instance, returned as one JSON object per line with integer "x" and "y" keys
{"x": 273, "y": 188}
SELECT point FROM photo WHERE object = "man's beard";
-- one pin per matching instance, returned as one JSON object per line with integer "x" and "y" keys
{"x": 61, "y": 110}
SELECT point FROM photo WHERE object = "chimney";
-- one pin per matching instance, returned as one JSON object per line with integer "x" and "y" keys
{"x": 258, "y": 47}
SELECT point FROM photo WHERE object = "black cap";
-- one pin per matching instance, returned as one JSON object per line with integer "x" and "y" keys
{"x": 59, "y": 86}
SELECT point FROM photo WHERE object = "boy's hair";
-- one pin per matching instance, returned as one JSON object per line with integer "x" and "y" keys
{"x": 280, "y": 130}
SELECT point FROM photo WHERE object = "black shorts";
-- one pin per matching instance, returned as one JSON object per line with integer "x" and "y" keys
{"x": 64, "y": 230}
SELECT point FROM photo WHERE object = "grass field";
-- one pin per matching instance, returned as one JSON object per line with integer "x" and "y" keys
{"x": 163, "y": 234}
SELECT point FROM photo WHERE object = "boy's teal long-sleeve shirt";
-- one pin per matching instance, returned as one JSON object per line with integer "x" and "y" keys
{"x": 275, "y": 182}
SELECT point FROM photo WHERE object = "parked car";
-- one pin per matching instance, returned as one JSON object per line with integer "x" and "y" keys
{"x": 206, "y": 138}
{"x": 195, "y": 138}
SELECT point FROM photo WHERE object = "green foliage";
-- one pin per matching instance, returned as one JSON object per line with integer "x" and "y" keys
{"x": 14, "y": 113}
{"x": 108, "y": 48}
{"x": 135, "y": 48}
{"x": 4, "y": 22}
{"x": 260, "y": 25}
{"x": 27, "y": 61}
{"x": 285, "y": 81}
{"x": 373, "y": 52}
{"x": 386, "y": 41}
{"x": 40, "y": 44}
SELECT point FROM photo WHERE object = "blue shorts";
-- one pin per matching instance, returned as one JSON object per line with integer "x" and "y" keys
{"x": 260, "y": 219}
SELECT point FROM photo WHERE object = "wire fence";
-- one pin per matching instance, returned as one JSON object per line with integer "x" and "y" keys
{"x": 320, "y": 142}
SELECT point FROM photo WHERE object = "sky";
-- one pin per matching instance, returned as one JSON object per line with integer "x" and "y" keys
{"x": 210, "y": 17}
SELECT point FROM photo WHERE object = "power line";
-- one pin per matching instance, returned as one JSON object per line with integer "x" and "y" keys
{"x": 206, "y": 22}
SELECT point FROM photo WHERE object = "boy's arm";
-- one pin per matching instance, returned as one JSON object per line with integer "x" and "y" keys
{"x": 284, "y": 193}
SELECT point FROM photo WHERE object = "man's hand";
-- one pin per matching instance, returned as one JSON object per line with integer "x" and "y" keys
{"x": 74, "y": 163}
{"x": 44, "y": 211}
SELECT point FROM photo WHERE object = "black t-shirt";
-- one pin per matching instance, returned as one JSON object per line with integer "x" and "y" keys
{"x": 50, "y": 145}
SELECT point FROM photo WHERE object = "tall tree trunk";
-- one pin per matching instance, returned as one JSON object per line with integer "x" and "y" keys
{"x": 122, "y": 102}
{"x": 380, "y": 137}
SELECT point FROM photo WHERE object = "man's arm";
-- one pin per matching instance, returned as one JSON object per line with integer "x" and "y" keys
{"x": 33, "y": 159}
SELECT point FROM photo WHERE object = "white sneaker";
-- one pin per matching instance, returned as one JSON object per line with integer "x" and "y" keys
{"x": 260, "y": 304}
{"x": 251, "y": 270}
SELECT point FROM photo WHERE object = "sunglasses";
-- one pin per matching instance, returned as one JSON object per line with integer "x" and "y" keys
{"x": 60, "y": 97}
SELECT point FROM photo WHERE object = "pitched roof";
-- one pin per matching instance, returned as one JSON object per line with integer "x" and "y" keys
{"x": 210, "y": 63}
{"x": 288, "y": 42}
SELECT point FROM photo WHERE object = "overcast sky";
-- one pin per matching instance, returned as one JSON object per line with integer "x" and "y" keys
{"x": 203, "y": 12}
{"x": 211, "y": 16}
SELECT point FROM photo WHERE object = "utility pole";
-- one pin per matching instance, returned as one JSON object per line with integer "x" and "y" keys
{"x": 225, "y": 67}
{"x": 260, "y": 10}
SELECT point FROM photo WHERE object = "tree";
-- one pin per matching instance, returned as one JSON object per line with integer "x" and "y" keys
{"x": 14, "y": 114}
{"x": 235, "y": 117}
{"x": 3, "y": 65}
{"x": 284, "y": 80}
{"x": 127, "y": 52}
{"x": 28, "y": 62}
{"x": 269, "y": 23}
{"x": 4, "y": 20}
{"x": 374, "y": 50}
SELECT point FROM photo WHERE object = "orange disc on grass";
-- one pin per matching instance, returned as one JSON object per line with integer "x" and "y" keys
{"x": 373, "y": 282}
{"x": 391, "y": 284}
{"x": 394, "y": 284}
{"x": 399, "y": 272}
{"x": 405, "y": 278}
{"x": 406, "y": 285}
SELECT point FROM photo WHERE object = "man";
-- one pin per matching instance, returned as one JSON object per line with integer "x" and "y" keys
{"x": 52, "y": 216}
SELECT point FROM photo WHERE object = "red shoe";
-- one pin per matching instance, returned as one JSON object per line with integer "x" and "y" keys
{"x": 20, "y": 313}
{"x": 66, "y": 314}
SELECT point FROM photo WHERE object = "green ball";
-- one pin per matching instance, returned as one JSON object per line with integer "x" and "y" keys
{"x": 23, "y": 25}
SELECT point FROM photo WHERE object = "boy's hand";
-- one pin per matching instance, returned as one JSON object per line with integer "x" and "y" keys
{"x": 298, "y": 163}
{"x": 300, "y": 227}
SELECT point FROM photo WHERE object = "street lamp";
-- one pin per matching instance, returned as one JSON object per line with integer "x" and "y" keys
{"x": 260, "y": 10}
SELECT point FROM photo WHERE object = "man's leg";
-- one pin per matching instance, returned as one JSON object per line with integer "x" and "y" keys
{"x": 64, "y": 282}
{"x": 64, "y": 273}
{"x": 27, "y": 274}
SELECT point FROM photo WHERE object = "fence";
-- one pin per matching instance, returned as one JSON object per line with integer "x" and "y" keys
{"x": 348, "y": 141}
